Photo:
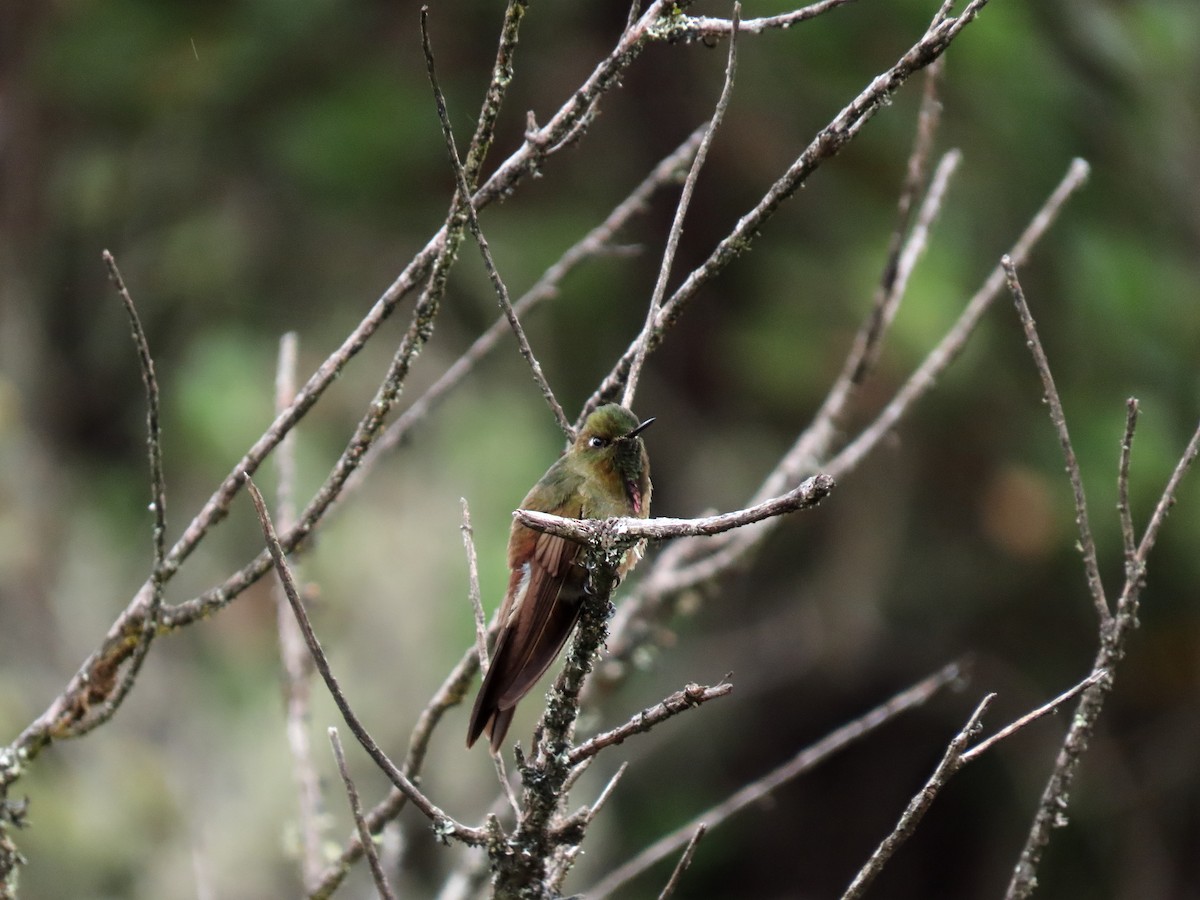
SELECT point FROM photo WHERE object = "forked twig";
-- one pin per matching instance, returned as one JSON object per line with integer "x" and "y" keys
{"x": 951, "y": 762}
{"x": 364, "y": 834}
{"x": 684, "y": 861}
{"x": 1087, "y": 543}
{"x": 802, "y": 762}
{"x": 489, "y": 263}
{"x": 1114, "y": 632}
{"x": 685, "y": 200}
{"x": 444, "y": 826}
{"x": 691, "y": 696}
{"x": 294, "y": 659}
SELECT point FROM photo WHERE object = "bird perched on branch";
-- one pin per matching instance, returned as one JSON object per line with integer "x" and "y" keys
{"x": 604, "y": 473}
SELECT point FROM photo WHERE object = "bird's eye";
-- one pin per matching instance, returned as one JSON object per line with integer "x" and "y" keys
{"x": 596, "y": 442}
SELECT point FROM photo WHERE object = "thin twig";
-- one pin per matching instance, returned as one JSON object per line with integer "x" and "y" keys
{"x": 460, "y": 177}
{"x": 294, "y": 659}
{"x": 1087, "y": 543}
{"x": 684, "y": 862}
{"x": 1128, "y": 541}
{"x": 497, "y": 90}
{"x": 1167, "y": 500}
{"x": 700, "y": 27}
{"x": 444, "y": 826}
{"x": 691, "y": 696}
{"x": 802, "y": 762}
{"x": 951, "y": 762}
{"x": 506, "y": 787}
{"x": 104, "y": 686}
{"x": 451, "y": 693}
{"x": 1030, "y": 717}
{"x": 685, "y": 200}
{"x": 597, "y": 242}
{"x": 364, "y": 834}
{"x": 578, "y": 821}
{"x": 828, "y": 142}
{"x": 815, "y": 442}
{"x": 468, "y": 537}
{"x": 807, "y": 495}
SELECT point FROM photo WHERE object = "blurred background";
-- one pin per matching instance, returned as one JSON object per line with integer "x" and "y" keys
{"x": 262, "y": 167}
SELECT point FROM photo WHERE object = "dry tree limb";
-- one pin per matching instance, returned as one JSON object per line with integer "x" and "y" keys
{"x": 1046, "y": 709}
{"x": 671, "y": 574}
{"x": 468, "y": 536}
{"x": 565, "y": 854}
{"x": 691, "y": 696}
{"x": 1113, "y": 633}
{"x": 597, "y": 242}
{"x": 1087, "y": 544}
{"x": 464, "y": 190}
{"x": 1128, "y": 541}
{"x": 702, "y": 27}
{"x": 828, "y": 142}
{"x": 630, "y": 530}
{"x": 108, "y": 685}
{"x": 295, "y": 662}
{"x": 958, "y": 754}
{"x": 451, "y": 693}
{"x": 364, "y": 834}
{"x": 684, "y": 861}
{"x": 802, "y": 762}
{"x": 681, "y": 208}
{"x": 444, "y": 826}
{"x": 919, "y": 805}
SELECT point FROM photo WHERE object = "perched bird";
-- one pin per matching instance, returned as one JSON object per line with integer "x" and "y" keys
{"x": 604, "y": 473}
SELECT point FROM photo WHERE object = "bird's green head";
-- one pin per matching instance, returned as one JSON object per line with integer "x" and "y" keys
{"x": 610, "y": 447}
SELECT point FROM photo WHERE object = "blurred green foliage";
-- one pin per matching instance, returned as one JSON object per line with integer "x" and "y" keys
{"x": 267, "y": 166}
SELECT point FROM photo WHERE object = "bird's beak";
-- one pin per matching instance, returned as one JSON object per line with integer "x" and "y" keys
{"x": 640, "y": 428}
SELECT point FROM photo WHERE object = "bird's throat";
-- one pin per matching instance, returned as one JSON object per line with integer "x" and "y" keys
{"x": 635, "y": 496}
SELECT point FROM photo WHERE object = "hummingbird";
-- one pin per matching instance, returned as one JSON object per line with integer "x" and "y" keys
{"x": 605, "y": 472}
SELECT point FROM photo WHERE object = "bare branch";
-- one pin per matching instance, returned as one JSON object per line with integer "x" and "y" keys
{"x": 449, "y": 694}
{"x": 828, "y": 142}
{"x": 1030, "y": 717}
{"x": 294, "y": 659}
{"x": 951, "y": 762}
{"x": 444, "y": 826}
{"x": 684, "y": 862}
{"x": 802, "y": 762}
{"x": 1128, "y": 540}
{"x": 596, "y": 242}
{"x": 464, "y": 191}
{"x": 700, "y": 27}
{"x": 107, "y": 686}
{"x": 691, "y": 696}
{"x": 1087, "y": 543}
{"x": 685, "y": 200}
{"x": 493, "y": 100}
{"x": 1167, "y": 500}
{"x": 587, "y": 531}
{"x": 815, "y": 442}
{"x": 364, "y": 834}
{"x": 949, "y": 348}
{"x": 473, "y": 586}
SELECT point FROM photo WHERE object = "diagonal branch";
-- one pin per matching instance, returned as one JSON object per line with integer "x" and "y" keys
{"x": 1087, "y": 543}
{"x": 444, "y": 826}
{"x": 685, "y": 200}
{"x": 808, "y": 758}
{"x": 464, "y": 190}
{"x": 827, "y": 144}
{"x": 630, "y": 530}
{"x": 691, "y": 696}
